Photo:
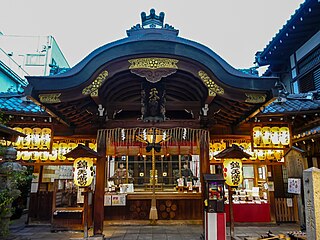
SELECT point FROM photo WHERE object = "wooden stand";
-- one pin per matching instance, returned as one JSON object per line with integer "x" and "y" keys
{"x": 231, "y": 212}
{"x": 85, "y": 212}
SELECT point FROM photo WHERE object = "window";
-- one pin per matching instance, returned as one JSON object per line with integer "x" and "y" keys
{"x": 311, "y": 60}
{"x": 306, "y": 83}
{"x": 309, "y": 72}
{"x": 316, "y": 78}
{"x": 248, "y": 176}
{"x": 35, "y": 59}
{"x": 295, "y": 87}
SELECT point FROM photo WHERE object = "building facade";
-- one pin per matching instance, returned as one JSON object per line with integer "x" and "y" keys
{"x": 35, "y": 55}
{"x": 157, "y": 108}
{"x": 294, "y": 56}
{"x": 157, "y": 91}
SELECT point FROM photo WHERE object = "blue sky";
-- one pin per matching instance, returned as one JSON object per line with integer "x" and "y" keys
{"x": 234, "y": 29}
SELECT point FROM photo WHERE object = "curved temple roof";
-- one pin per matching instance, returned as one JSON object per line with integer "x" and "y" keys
{"x": 155, "y": 42}
{"x": 191, "y": 64}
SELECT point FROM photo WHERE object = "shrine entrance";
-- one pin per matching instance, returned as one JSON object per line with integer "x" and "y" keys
{"x": 152, "y": 166}
{"x": 152, "y": 80}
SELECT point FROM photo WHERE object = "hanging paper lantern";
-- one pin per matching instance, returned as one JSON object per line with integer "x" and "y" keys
{"x": 44, "y": 156}
{"x": 83, "y": 172}
{"x": 270, "y": 154}
{"x": 232, "y": 172}
{"x": 62, "y": 150}
{"x": 275, "y": 135}
{"x": 26, "y": 156}
{"x": 53, "y": 156}
{"x": 18, "y": 143}
{"x": 284, "y": 136}
{"x": 19, "y": 155}
{"x": 35, "y": 138}
{"x": 262, "y": 154}
{"x": 45, "y": 138}
{"x": 257, "y": 136}
{"x": 266, "y": 136}
{"x": 278, "y": 154}
{"x": 35, "y": 155}
{"x": 26, "y": 143}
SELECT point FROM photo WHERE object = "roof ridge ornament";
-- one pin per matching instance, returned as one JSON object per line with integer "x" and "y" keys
{"x": 151, "y": 21}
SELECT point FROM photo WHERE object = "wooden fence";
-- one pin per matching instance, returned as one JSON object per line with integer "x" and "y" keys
{"x": 286, "y": 209}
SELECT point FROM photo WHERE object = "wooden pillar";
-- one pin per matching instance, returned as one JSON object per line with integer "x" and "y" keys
{"x": 230, "y": 192}
{"x": 204, "y": 159}
{"x": 204, "y": 167}
{"x": 85, "y": 213}
{"x": 271, "y": 197}
{"x": 100, "y": 185}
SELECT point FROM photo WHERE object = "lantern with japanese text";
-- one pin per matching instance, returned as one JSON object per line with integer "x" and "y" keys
{"x": 83, "y": 172}
{"x": 35, "y": 139}
{"x": 45, "y": 142}
{"x": 232, "y": 164}
{"x": 284, "y": 135}
{"x": 232, "y": 172}
{"x": 257, "y": 136}
{"x": 271, "y": 137}
{"x": 275, "y": 135}
{"x": 266, "y": 136}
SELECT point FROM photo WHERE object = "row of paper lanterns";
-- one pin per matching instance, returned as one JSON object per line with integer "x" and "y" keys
{"x": 260, "y": 154}
{"x": 57, "y": 153}
{"x": 36, "y": 138}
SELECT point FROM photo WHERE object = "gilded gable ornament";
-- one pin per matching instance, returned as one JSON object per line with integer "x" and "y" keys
{"x": 50, "y": 98}
{"x": 255, "y": 98}
{"x": 153, "y": 63}
{"x": 153, "y": 69}
{"x": 93, "y": 88}
{"x": 213, "y": 88}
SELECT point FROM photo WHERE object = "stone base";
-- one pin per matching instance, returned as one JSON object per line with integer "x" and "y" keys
{"x": 98, "y": 237}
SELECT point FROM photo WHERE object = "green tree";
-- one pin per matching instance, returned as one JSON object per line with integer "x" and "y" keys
{"x": 12, "y": 176}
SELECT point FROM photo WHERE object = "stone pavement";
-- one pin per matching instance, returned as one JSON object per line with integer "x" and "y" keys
{"x": 20, "y": 231}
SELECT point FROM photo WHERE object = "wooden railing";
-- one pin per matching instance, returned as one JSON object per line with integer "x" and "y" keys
{"x": 285, "y": 213}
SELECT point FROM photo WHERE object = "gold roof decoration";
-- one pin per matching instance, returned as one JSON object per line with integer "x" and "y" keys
{"x": 213, "y": 88}
{"x": 50, "y": 98}
{"x": 255, "y": 98}
{"x": 93, "y": 88}
{"x": 153, "y": 63}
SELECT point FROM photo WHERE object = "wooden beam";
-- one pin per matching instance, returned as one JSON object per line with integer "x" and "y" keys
{"x": 52, "y": 112}
{"x": 170, "y": 105}
{"x": 204, "y": 164}
{"x": 99, "y": 189}
{"x": 254, "y": 112}
{"x": 195, "y": 123}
